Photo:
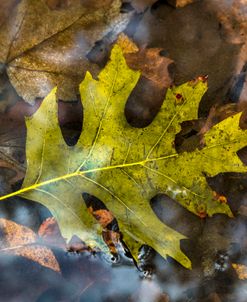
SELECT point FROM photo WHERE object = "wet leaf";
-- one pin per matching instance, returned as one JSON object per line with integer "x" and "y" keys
{"x": 20, "y": 240}
{"x": 50, "y": 233}
{"x": 5, "y": 8}
{"x": 38, "y": 57}
{"x": 241, "y": 270}
{"x": 180, "y": 3}
{"x": 12, "y": 145}
{"x": 153, "y": 66}
{"x": 125, "y": 167}
{"x": 217, "y": 114}
{"x": 149, "y": 93}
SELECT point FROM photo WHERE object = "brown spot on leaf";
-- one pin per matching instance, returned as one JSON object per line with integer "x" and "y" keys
{"x": 220, "y": 198}
{"x": 179, "y": 99}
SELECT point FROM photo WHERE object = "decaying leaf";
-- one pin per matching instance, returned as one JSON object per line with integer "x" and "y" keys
{"x": 50, "y": 233}
{"x": 20, "y": 240}
{"x": 110, "y": 230}
{"x": 153, "y": 66}
{"x": 148, "y": 95}
{"x": 180, "y": 3}
{"x": 241, "y": 270}
{"x": 38, "y": 56}
{"x": 125, "y": 167}
{"x": 5, "y": 8}
{"x": 127, "y": 45}
{"x": 12, "y": 146}
{"x": 217, "y": 114}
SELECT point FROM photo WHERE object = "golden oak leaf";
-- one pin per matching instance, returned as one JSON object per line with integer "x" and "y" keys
{"x": 125, "y": 167}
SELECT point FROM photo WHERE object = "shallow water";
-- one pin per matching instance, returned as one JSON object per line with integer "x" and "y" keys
{"x": 203, "y": 38}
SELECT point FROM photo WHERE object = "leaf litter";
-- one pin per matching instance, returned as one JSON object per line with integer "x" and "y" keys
{"x": 59, "y": 6}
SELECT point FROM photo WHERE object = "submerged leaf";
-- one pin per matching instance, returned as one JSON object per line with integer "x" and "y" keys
{"x": 124, "y": 166}
{"x": 241, "y": 270}
{"x": 22, "y": 241}
{"x": 38, "y": 57}
{"x": 149, "y": 93}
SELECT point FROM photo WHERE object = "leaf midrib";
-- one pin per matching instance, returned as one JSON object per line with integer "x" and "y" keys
{"x": 78, "y": 173}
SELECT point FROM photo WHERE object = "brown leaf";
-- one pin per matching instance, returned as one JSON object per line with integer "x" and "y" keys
{"x": 241, "y": 270}
{"x": 217, "y": 114}
{"x": 50, "y": 233}
{"x": 39, "y": 57}
{"x": 214, "y": 297}
{"x": 193, "y": 40}
{"x": 152, "y": 64}
{"x": 57, "y": 4}
{"x": 106, "y": 219}
{"x": 149, "y": 93}
{"x": 112, "y": 239}
{"x": 20, "y": 240}
{"x": 12, "y": 145}
{"x": 5, "y": 8}
{"x": 180, "y": 3}
{"x": 127, "y": 45}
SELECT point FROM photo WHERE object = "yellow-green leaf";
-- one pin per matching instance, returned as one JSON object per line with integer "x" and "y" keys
{"x": 125, "y": 166}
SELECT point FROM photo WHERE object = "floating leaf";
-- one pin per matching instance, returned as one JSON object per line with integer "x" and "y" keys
{"x": 124, "y": 166}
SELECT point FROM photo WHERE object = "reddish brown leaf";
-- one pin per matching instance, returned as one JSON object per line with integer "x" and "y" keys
{"x": 241, "y": 270}
{"x": 149, "y": 93}
{"x": 180, "y": 3}
{"x": 105, "y": 217}
{"x": 20, "y": 240}
{"x": 50, "y": 233}
{"x": 112, "y": 239}
{"x": 152, "y": 65}
{"x": 5, "y": 8}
